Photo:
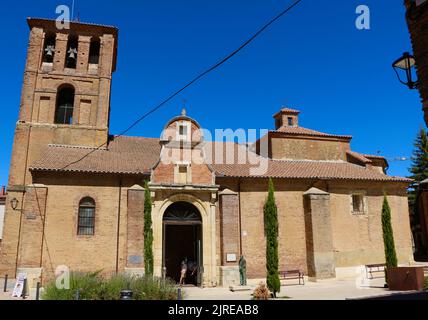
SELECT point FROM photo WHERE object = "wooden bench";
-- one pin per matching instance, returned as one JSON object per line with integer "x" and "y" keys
{"x": 292, "y": 274}
{"x": 377, "y": 267}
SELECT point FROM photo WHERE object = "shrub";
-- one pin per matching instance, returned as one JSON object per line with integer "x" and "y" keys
{"x": 426, "y": 283}
{"x": 261, "y": 292}
{"x": 87, "y": 283}
{"x": 92, "y": 286}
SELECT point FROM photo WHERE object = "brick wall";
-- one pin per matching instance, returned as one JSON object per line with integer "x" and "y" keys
{"x": 311, "y": 149}
{"x": 417, "y": 21}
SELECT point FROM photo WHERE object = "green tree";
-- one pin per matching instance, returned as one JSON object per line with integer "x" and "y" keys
{"x": 418, "y": 170}
{"x": 271, "y": 231}
{"x": 388, "y": 235}
{"x": 148, "y": 231}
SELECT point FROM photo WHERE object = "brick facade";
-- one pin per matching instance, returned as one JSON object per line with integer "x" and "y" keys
{"x": 55, "y": 166}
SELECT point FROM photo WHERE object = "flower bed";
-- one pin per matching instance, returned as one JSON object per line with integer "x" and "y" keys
{"x": 93, "y": 286}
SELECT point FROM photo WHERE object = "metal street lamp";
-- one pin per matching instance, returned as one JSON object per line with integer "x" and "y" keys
{"x": 404, "y": 65}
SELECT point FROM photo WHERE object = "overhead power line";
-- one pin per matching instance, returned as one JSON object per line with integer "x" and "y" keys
{"x": 197, "y": 78}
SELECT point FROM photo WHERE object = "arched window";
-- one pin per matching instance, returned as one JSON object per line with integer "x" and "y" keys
{"x": 86, "y": 221}
{"x": 72, "y": 49}
{"x": 49, "y": 48}
{"x": 64, "y": 105}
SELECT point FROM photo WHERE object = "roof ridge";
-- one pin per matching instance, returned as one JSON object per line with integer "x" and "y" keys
{"x": 308, "y": 160}
{"x": 311, "y": 132}
{"x": 54, "y": 145}
{"x": 134, "y": 137}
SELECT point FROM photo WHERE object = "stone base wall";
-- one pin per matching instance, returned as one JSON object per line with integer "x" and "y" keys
{"x": 229, "y": 276}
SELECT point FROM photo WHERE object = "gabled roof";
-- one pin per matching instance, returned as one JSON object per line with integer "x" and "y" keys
{"x": 131, "y": 155}
{"x": 125, "y": 155}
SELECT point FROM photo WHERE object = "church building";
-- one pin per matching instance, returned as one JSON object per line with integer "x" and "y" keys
{"x": 75, "y": 194}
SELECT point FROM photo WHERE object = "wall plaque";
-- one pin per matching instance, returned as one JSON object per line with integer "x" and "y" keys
{"x": 231, "y": 257}
{"x": 30, "y": 216}
{"x": 135, "y": 259}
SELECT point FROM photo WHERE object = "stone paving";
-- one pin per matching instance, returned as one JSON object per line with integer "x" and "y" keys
{"x": 320, "y": 290}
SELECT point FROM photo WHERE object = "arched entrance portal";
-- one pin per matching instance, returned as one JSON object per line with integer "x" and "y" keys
{"x": 182, "y": 238}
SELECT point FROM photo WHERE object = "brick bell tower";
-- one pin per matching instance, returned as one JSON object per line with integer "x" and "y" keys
{"x": 65, "y": 100}
{"x": 66, "y": 91}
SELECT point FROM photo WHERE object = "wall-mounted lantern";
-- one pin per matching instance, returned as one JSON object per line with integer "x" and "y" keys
{"x": 14, "y": 203}
{"x": 404, "y": 68}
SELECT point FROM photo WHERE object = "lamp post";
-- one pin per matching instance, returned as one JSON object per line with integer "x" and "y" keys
{"x": 404, "y": 66}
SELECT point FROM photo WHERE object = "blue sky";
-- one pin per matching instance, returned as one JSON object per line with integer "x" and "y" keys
{"x": 313, "y": 59}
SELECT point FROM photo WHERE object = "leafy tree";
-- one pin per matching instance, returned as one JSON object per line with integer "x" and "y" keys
{"x": 148, "y": 231}
{"x": 388, "y": 235}
{"x": 271, "y": 231}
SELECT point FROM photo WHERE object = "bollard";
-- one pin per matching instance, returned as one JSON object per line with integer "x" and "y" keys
{"x": 38, "y": 291}
{"x": 126, "y": 295}
{"x": 5, "y": 283}
{"x": 179, "y": 296}
{"x": 24, "y": 290}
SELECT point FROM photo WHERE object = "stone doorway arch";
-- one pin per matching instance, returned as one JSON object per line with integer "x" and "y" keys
{"x": 182, "y": 240}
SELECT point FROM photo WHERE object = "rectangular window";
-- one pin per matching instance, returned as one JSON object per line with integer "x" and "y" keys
{"x": 290, "y": 121}
{"x": 86, "y": 221}
{"x": 183, "y": 130}
{"x": 358, "y": 204}
{"x": 182, "y": 174}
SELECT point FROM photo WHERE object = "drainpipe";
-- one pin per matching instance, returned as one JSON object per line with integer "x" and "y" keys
{"x": 118, "y": 224}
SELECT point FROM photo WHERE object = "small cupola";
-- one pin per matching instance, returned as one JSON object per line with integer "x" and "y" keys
{"x": 182, "y": 129}
{"x": 286, "y": 117}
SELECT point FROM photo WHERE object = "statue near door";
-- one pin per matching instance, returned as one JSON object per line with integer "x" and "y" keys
{"x": 243, "y": 271}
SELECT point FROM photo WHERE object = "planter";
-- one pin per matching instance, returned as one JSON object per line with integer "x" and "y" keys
{"x": 406, "y": 278}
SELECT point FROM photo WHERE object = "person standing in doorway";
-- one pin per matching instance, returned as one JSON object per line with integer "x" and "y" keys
{"x": 183, "y": 271}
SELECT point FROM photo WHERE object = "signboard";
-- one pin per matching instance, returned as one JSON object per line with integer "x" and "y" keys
{"x": 19, "y": 285}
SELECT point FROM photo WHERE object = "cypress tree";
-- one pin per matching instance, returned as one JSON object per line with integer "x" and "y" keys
{"x": 388, "y": 235}
{"x": 271, "y": 231}
{"x": 148, "y": 232}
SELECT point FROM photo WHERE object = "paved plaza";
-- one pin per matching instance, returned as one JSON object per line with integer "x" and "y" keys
{"x": 291, "y": 290}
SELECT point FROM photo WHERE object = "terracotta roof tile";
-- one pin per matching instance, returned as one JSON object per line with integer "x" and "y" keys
{"x": 358, "y": 156}
{"x": 129, "y": 155}
{"x": 289, "y": 110}
{"x": 302, "y": 169}
{"x": 296, "y": 130}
